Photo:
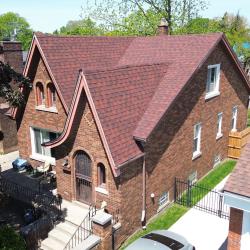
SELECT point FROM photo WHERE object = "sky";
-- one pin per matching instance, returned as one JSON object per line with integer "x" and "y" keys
{"x": 49, "y": 15}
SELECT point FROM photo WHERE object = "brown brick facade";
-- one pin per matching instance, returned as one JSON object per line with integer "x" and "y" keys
{"x": 235, "y": 227}
{"x": 168, "y": 150}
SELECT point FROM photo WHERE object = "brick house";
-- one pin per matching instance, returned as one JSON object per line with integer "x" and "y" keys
{"x": 11, "y": 53}
{"x": 237, "y": 196}
{"x": 120, "y": 117}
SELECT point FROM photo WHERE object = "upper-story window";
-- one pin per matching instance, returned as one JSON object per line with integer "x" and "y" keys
{"x": 213, "y": 81}
{"x": 101, "y": 175}
{"x": 40, "y": 97}
{"x": 234, "y": 118}
{"x": 51, "y": 95}
{"x": 197, "y": 141}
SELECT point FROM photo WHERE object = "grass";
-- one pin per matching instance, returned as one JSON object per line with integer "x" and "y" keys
{"x": 248, "y": 118}
{"x": 175, "y": 211}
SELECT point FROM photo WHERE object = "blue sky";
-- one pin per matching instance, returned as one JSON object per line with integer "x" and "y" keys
{"x": 48, "y": 15}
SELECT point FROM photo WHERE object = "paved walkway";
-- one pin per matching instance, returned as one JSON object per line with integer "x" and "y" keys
{"x": 203, "y": 230}
{"x": 7, "y": 159}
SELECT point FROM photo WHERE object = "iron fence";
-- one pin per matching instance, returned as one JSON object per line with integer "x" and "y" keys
{"x": 203, "y": 198}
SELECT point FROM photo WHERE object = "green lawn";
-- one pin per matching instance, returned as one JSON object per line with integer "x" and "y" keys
{"x": 248, "y": 118}
{"x": 175, "y": 211}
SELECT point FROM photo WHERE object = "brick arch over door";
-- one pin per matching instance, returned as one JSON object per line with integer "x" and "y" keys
{"x": 83, "y": 176}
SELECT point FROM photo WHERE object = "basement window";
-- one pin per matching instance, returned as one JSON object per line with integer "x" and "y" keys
{"x": 193, "y": 177}
{"x": 217, "y": 160}
{"x": 164, "y": 199}
{"x": 213, "y": 81}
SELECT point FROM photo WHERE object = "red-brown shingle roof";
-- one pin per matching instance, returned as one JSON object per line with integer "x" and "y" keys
{"x": 239, "y": 180}
{"x": 132, "y": 80}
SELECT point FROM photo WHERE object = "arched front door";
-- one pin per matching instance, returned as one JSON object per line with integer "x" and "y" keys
{"x": 83, "y": 177}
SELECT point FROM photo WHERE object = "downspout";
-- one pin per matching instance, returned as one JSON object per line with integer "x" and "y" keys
{"x": 143, "y": 214}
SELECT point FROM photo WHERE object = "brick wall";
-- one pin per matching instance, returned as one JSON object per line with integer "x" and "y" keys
{"x": 169, "y": 149}
{"x": 36, "y": 118}
{"x": 11, "y": 53}
{"x": 235, "y": 227}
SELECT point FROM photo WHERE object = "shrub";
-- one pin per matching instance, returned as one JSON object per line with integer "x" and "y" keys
{"x": 10, "y": 240}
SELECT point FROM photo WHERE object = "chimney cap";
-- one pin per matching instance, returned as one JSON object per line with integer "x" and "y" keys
{"x": 163, "y": 22}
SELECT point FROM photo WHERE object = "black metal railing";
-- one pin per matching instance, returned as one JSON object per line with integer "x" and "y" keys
{"x": 203, "y": 198}
{"x": 47, "y": 203}
{"x": 83, "y": 231}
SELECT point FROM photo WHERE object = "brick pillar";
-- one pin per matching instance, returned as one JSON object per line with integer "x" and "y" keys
{"x": 235, "y": 227}
{"x": 102, "y": 227}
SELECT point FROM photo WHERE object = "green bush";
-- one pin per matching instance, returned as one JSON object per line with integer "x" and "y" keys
{"x": 10, "y": 240}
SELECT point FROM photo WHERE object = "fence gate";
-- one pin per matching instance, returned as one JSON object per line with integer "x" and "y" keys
{"x": 203, "y": 198}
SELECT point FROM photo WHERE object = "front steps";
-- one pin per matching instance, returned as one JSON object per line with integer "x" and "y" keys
{"x": 74, "y": 213}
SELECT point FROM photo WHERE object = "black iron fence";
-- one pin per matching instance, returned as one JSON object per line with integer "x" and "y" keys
{"x": 203, "y": 198}
{"x": 83, "y": 231}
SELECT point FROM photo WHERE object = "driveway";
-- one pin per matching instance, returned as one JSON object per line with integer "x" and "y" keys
{"x": 205, "y": 231}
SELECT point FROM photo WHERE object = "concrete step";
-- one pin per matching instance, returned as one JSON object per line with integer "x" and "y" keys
{"x": 89, "y": 243}
{"x": 67, "y": 227}
{"x": 52, "y": 244}
{"x": 60, "y": 235}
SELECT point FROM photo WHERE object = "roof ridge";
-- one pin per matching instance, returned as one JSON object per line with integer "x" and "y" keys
{"x": 123, "y": 67}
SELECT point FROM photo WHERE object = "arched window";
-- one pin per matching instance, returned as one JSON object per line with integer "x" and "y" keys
{"x": 51, "y": 94}
{"x": 40, "y": 97}
{"x": 101, "y": 175}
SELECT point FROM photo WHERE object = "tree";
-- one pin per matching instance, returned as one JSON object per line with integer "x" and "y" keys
{"x": 10, "y": 84}
{"x": 111, "y": 13}
{"x": 13, "y": 25}
{"x": 84, "y": 26}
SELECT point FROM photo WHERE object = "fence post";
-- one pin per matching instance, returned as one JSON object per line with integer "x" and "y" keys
{"x": 220, "y": 206}
{"x": 189, "y": 194}
{"x": 175, "y": 189}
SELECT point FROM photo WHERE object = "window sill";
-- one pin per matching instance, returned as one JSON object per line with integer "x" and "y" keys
{"x": 211, "y": 95}
{"x": 196, "y": 155}
{"x": 161, "y": 207}
{"x": 218, "y": 136}
{"x": 43, "y": 158}
{"x": 50, "y": 109}
{"x": 101, "y": 190}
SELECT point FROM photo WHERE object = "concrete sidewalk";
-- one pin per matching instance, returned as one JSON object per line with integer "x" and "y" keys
{"x": 205, "y": 231}
{"x": 7, "y": 159}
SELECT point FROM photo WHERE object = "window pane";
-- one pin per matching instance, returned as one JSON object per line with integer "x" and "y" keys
{"x": 195, "y": 146}
{"x": 213, "y": 75}
{"x": 37, "y": 135}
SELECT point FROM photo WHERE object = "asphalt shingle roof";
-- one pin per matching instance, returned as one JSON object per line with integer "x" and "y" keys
{"x": 132, "y": 80}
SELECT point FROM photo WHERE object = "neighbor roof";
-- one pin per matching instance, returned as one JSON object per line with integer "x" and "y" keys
{"x": 132, "y": 80}
{"x": 238, "y": 182}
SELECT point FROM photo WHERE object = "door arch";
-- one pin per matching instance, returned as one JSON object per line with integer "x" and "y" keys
{"x": 83, "y": 177}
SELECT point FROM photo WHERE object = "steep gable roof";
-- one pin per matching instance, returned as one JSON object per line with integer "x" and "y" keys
{"x": 131, "y": 81}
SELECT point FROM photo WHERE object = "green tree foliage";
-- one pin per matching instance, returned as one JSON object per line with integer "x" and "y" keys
{"x": 11, "y": 23}
{"x": 84, "y": 26}
{"x": 113, "y": 13}
{"x": 10, "y": 240}
{"x": 10, "y": 84}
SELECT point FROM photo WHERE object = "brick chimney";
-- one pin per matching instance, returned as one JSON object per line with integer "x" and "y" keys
{"x": 163, "y": 27}
{"x": 11, "y": 53}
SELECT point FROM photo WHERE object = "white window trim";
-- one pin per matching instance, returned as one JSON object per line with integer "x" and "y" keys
{"x": 36, "y": 156}
{"x": 197, "y": 153}
{"x": 101, "y": 190}
{"x": 216, "y": 92}
{"x": 234, "y": 129}
{"x": 219, "y": 133}
{"x": 51, "y": 109}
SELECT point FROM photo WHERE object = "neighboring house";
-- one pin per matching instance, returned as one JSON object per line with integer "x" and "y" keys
{"x": 120, "y": 117}
{"x": 237, "y": 196}
{"x": 11, "y": 53}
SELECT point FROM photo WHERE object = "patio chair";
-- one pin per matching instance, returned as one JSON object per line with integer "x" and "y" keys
{"x": 44, "y": 168}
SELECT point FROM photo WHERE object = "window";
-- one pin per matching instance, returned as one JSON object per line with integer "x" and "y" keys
{"x": 51, "y": 94}
{"x": 213, "y": 81}
{"x": 164, "y": 199}
{"x": 40, "y": 97}
{"x": 101, "y": 175}
{"x": 193, "y": 177}
{"x": 217, "y": 160}
{"x": 39, "y": 136}
{"x": 234, "y": 118}
{"x": 219, "y": 126}
{"x": 197, "y": 140}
